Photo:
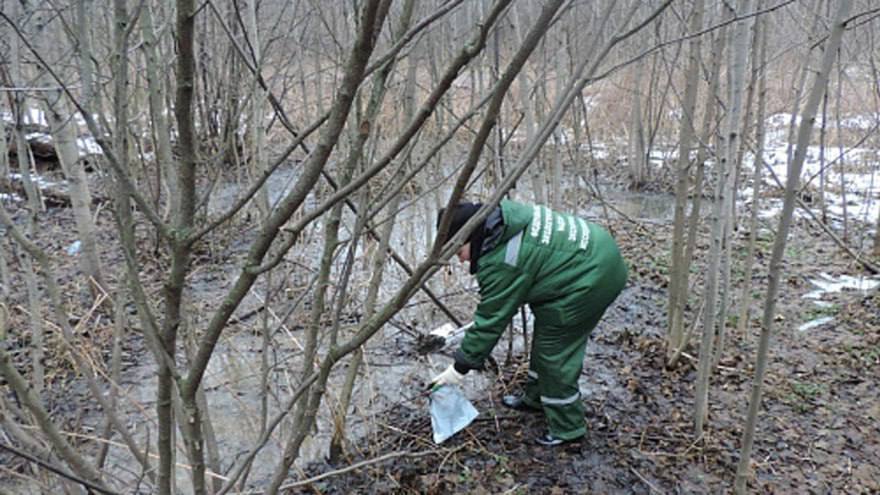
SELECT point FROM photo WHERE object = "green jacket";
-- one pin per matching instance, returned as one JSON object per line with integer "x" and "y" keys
{"x": 547, "y": 259}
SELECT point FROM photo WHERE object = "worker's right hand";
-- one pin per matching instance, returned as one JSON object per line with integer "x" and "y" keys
{"x": 450, "y": 376}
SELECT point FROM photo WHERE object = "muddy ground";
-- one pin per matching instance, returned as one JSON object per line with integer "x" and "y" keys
{"x": 819, "y": 428}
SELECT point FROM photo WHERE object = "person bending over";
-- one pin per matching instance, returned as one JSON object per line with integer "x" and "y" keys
{"x": 568, "y": 271}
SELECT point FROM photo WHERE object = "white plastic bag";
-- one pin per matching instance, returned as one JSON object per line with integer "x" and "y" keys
{"x": 450, "y": 412}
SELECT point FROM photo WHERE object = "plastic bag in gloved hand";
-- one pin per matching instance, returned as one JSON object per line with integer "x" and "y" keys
{"x": 450, "y": 412}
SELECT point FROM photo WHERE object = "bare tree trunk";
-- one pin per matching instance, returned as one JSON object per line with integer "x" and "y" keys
{"x": 876, "y": 93}
{"x": 87, "y": 71}
{"x": 876, "y": 238}
{"x": 373, "y": 108}
{"x": 35, "y": 308}
{"x": 841, "y": 165}
{"x": 34, "y": 206}
{"x": 823, "y": 204}
{"x": 798, "y": 89}
{"x": 637, "y": 151}
{"x": 707, "y": 132}
{"x": 555, "y": 189}
{"x": 158, "y": 109}
{"x": 4, "y": 156}
{"x": 20, "y": 110}
{"x": 63, "y": 131}
{"x": 677, "y": 281}
{"x": 831, "y": 47}
{"x": 191, "y": 424}
{"x": 257, "y": 166}
{"x": 745, "y": 299}
{"x": 725, "y": 173}
{"x": 377, "y": 264}
{"x": 739, "y": 127}
{"x": 528, "y": 90}
{"x": 5, "y": 284}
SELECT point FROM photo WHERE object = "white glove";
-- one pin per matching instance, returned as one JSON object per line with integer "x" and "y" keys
{"x": 450, "y": 376}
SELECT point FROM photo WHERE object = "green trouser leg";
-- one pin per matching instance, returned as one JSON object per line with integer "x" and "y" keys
{"x": 558, "y": 357}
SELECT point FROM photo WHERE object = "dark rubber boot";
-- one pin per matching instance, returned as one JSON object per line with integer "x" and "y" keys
{"x": 548, "y": 440}
{"x": 518, "y": 403}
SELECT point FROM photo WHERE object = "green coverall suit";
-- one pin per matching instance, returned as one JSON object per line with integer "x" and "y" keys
{"x": 569, "y": 271}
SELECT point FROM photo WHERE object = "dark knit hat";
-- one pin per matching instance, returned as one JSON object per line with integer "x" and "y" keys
{"x": 461, "y": 213}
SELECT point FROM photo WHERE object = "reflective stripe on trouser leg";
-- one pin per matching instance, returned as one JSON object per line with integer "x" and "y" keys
{"x": 560, "y": 402}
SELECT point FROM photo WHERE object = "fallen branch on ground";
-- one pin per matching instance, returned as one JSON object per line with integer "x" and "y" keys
{"x": 352, "y": 467}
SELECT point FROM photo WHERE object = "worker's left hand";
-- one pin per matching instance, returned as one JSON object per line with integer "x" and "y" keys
{"x": 450, "y": 376}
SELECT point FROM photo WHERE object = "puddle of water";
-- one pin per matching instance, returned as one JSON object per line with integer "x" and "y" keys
{"x": 279, "y": 184}
{"x": 640, "y": 206}
{"x": 232, "y": 385}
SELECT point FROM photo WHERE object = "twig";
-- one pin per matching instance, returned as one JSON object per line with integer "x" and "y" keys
{"x": 56, "y": 470}
{"x": 120, "y": 445}
{"x": 692, "y": 358}
{"x": 352, "y": 467}
{"x": 652, "y": 487}
{"x": 687, "y": 337}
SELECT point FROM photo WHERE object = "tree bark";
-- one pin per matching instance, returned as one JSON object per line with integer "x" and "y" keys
{"x": 723, "y": 193}
{"x": 677, "y": 280}
{"x": 841, "y": 165}
{"x": 804, "y": 132}
{"x": 745, "y": 299}
{"x": 374, "y": 106}
{"x": 637, "y": 151}
{"x": 158, "y": 110}
{"x": 63, "y": 131}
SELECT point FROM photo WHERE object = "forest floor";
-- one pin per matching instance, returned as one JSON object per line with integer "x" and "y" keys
{"x": 819, "y": 426}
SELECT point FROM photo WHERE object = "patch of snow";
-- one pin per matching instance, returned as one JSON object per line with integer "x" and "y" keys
{"x": 74, "y": 248}
{"x": 40, "y": 137}
{"x": 35, "y": 116}
{"x": 88, "y": 146}
{"x": 589, "y": 102}
{"x": 38, "y": 180}
{"x": 828, "y": 284}
{"x": 863, "y": 122}
{"x": 818, "y": 322}
{"x": 770, "y": 209}
{"x": 863, "y": 189}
